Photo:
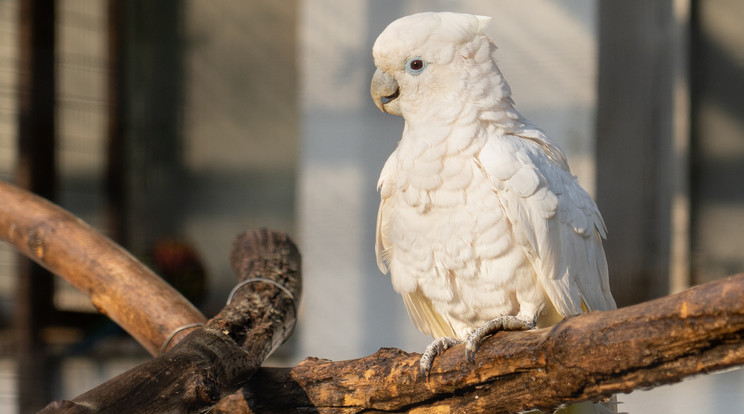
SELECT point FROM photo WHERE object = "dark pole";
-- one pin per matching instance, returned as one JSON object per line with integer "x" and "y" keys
{"x": 634, "y": 141}
{"x": 116, "y": 159}
{"x": 36, "y": 172}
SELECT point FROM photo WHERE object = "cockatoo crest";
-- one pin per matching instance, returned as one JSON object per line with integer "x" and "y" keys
{"x": 432, "y": 34}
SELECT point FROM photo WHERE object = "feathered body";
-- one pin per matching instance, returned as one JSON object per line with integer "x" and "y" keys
{"x": 480, "y": 216}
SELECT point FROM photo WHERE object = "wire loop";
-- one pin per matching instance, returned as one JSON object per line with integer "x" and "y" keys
{"x": 271, "y": 282}
{"x": 176, "y": 331}
{"x": 259, "y": 279}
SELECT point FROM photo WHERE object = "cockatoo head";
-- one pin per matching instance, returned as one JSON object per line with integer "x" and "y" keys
{"x": 428, "y": 63}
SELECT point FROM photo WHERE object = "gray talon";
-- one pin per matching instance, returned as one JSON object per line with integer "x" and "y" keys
{"x": 435, "y": 348}
{"x": 503, "y": 323}
{"x": 470, "y": 349}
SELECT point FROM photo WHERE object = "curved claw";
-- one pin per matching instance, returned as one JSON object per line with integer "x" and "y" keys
{"x": 471, "y": 347}
{"x": 502, "y": 323}
{"x": 435, "y": 348}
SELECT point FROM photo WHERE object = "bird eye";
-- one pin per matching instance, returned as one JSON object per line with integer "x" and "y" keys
{"x": 415, "y": 66}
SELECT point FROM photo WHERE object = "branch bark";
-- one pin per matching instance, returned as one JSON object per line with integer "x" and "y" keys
{"x": 118, "y": 284}
{"x": 587, "y": 357}
{"x": 213, "y": 362}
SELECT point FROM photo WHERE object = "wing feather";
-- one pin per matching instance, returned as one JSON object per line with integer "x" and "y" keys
{"x": 556, "y": 221}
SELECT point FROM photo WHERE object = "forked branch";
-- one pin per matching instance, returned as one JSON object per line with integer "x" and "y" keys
{"x": 215, "y": 361}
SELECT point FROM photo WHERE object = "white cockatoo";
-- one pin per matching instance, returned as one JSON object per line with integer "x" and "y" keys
{"x": 481, "y": 224}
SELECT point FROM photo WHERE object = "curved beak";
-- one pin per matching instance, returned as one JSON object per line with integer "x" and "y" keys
{"x": 385, "y": 91}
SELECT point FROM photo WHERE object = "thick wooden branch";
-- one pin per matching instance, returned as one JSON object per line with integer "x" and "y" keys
{"x": 586, "y": 357}
{"x": 117, "y": 283}
{"x": 213, "y": 362}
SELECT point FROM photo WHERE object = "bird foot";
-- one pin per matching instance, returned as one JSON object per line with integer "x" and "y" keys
{"x": 502, "y": 323}
{"x": 435, "y": 348}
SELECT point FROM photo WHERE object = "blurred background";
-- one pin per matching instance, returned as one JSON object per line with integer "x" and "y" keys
{"x": 171, "y": 126}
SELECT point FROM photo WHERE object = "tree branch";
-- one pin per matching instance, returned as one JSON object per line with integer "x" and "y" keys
{"x": 118, "y": 284}
{"x": 213, "y": 362}
{"x": 587, "y": 357}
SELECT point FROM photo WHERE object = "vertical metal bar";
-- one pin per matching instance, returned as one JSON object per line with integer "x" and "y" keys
{"x": 634, "y": 146}
{"x": 116, "y": 155}
{"x": 680, "y": 260}
{"x": 36, "y": 172}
